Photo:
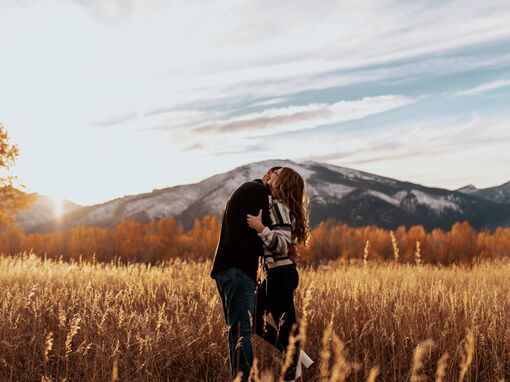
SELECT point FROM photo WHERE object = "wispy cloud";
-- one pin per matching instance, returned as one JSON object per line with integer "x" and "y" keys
{"x": 194, "y": 146}
{"x": 384, "y": 156}
{"x": 116, "y": 120}
{"x": 294, "y": 118}
{"x": 271, "y": 101}
{"x": 484, "y": 88}
{"x": 414, "y": 140}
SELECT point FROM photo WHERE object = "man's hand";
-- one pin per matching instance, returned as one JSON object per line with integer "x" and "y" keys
{"x": 255, "y": 222}
{"x": 294, "y": 254}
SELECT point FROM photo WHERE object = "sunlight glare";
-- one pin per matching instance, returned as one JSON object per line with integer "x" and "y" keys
{"x": 58, "y": 206}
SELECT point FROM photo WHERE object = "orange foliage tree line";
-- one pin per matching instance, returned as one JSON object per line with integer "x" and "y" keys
{"x": 12, "y": 197}
{"x": 165, "y": 239}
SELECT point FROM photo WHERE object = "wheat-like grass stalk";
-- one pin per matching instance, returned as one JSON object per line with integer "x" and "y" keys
{"x": 48, "y": 345}
{"x": 303, "y": 325}
{"x": 115, "y": 369}
{"x": 467, "y": 356}
{"x": 341, "y": 368}
{"x": 254, "y": 371}
{"x": 441, "y": 367}
{"x": 75, "y": 327}
{"x": 374, "y": 372}
{"x": 394, "y": 243}
{"x": 365, "y": 253}
{"x": 419, "y": 353}
{"x": 417, "y": 254}
{"x": 326, "y": 352}
{"x": 290, "y": 352}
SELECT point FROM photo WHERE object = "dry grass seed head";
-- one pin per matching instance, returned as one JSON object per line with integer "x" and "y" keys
{"x": 374, "y": 372}
{"x": 419, "y": 353}
{"x": 441, "y": 367}
{"x": 326, "y": 352}
{"x": 395, "y": 247}
{"x": 467, "y": 356}
{"x": 48, "y": 345}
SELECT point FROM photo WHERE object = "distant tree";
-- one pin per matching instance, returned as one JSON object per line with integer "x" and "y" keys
{"x": 12, "y": 198}
{"x": 203, "y": 238}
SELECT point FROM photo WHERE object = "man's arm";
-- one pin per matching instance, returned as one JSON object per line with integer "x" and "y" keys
{"x": 277, "y": 237}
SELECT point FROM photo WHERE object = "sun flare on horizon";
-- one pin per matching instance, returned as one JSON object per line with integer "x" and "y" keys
{"x": 58, "y": 206}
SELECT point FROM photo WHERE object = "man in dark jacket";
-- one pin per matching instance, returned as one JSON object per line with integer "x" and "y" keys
{"x": 235, "y": 268}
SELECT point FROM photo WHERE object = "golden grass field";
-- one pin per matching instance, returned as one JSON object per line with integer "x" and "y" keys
{"x": 102, "y": 322}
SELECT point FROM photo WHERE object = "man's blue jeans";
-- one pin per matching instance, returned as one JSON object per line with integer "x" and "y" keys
{"x": 237, "y": 291}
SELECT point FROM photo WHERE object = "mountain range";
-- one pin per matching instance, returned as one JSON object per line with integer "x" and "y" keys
{"x": 353, "y": 197}
{"x": 498, "y": 194}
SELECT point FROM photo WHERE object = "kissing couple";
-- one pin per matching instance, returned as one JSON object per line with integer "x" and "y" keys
{"x": 263, "y": 219}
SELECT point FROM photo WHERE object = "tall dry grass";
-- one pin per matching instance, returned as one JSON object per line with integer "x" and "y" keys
{"x": 394, "y": 322}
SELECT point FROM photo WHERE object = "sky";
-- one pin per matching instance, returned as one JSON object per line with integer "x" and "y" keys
{"x": 119, "y": 97}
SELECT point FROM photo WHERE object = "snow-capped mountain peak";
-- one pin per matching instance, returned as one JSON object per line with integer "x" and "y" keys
{"x": 498, "y": 194}
{"x": 351, "y": 196}
{"x": 469, "y": 189}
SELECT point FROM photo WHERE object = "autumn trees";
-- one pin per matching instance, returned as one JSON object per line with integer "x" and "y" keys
{"x": 12, "y": 198}
{"x": 165, "y": 239}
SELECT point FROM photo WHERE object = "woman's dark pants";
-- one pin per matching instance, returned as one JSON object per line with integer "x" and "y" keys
{"x": 275, "y": 295}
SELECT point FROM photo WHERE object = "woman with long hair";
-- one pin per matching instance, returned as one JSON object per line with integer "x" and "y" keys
{"x": 288, "y": 212}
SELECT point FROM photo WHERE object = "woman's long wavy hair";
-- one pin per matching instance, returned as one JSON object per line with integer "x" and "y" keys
{"x": 290, "y": 189}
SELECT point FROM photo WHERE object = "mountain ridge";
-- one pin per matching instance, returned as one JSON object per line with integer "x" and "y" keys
{"x": 498, "y": 194}
{"x": 350, "y": 196}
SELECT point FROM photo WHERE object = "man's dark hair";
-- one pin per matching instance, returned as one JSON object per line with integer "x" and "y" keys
{"x": 275, "y": 168}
